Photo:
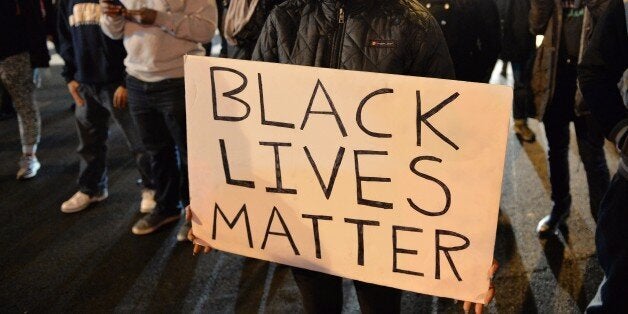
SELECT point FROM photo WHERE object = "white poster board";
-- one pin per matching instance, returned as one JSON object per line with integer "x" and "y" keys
{"x": 387, "y": 179}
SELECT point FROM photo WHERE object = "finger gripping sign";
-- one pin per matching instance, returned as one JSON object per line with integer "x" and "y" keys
{"x": 387, "y": 179}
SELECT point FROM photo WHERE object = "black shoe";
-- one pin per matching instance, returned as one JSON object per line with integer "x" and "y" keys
{"x": 153, "y": 221}
{"x": 548, "y": 227}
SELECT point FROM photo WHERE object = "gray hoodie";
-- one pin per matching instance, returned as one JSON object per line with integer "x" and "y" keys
{"x": 155, "y": 52}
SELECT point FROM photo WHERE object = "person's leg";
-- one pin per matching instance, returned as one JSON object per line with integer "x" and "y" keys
{"x": 17, "y": 77}
{"x": 321, "y": 293}
{"x": 610, "y": 242}
{"x": 6, "y": 104}
{"x": 122, "y": 117}
{"x": 143, "y": 100}
{"x": 522, "y": 97}
{"x": 377, "y": 299}
{"x": 591, "y": 149}
{"x": 556, "y": 121}
{"x": 170, "y": 98}
{"x": 92, "y": 123}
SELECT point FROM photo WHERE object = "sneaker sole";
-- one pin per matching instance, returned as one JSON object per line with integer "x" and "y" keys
{"x": 154, "y": 228}
{"x": 31, "y": 175}
{"x": 147, "y": 210}
{"x": 78, "y": 209}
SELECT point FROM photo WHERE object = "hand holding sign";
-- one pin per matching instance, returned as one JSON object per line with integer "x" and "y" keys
{"x": 479, "y": 307}
{"x": 197, "y": 247}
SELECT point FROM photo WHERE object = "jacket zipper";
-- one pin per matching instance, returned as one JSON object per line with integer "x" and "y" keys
{"x": 337, "y": 46}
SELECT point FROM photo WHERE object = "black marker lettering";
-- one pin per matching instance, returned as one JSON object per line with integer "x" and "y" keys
{"x": 279, "y": 188}
{"x": 360, "y": 228}
{"x": 359, "y": 179}
{"x": 358, "y": 117}
{"x": 261, "y": 104}
{"x": 397, "y": 250}
{"x": 225, "y": 166}
{"x": 422, "y": 119}
{"x": 317, "y": 239}
{"x": 230, "y": 94}
{"x": 446, "y": 250}
{"x": 427, "y": 177}
{"x": 232, "y": 223}
{"x": 333, "y": 111}
{"x": 286, "y": 232}
{"x": 327, "y": 189}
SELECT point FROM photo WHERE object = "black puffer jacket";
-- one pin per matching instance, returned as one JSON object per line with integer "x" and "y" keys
{"x": 247, "y": 37}
{"x": 393, "y": 36}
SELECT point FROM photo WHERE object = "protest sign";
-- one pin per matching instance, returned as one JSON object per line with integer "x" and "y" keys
{"x": 387, "y": 179}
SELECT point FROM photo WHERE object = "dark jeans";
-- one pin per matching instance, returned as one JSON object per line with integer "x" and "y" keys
{"x": 522, "y": 103}
{"x": 590, "y": 146}
{"x": 92, "y": 123}
{"x": 611, "y": 237}
{"x": 158, "y": 109}
{"x": 322, "y": 293}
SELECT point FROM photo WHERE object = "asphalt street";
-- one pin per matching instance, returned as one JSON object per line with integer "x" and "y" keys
{"x": 91, "y": 262}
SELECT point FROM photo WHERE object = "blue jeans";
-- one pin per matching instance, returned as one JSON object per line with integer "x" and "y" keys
{"x": 611, "y": 237}
{"x": 590, "y": 146}
{"x": 158, "y": 109}
{"x": 92, "y": 123}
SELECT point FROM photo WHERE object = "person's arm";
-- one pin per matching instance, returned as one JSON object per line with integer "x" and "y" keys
{"x": 489, "y": 36}
{"x": 540, "y": 13}
{"x": 601, "y": 68}
{"x": 196, "y": 23}
{"x": 111, "y": 19}
{"x": 36, "y": 33}
{"x": 66, "y": 46}
{"x": 266, "y": 48}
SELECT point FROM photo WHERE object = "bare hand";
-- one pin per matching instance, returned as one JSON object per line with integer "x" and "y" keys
{"x": 119, "y": 98}
{"x": 73, "y": 88}
{"x": 112, "y": 10}
{"x": 479, "y": 307}
{"x": 197, "y": 247}
{"x": 144, "y": 16}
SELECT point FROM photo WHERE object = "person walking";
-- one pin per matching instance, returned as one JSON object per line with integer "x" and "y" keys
{"x": 94, "y": 72}
{"x": 157, "y": 34}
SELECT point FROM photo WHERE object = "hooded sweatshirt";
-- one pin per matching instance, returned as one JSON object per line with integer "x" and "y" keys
{"x": 90, "y": 56}
{"x": 155, "y": 52}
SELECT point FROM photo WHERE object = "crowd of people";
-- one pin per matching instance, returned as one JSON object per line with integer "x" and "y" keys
{"x": 123, "y": 61}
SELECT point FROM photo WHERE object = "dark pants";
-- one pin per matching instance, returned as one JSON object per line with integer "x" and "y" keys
{"x": 522, "y": 102}
{"x": 590, "y": 146}
{"x": 92, "y": 123}
{"x": 611, "y": 237}
{"x": 322, "y": 293}
{"x": 158, "y": 109}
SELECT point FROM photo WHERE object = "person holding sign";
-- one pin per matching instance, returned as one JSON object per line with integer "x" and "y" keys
{"x": 395, "y": 37}
{"x": 156, "y": 35}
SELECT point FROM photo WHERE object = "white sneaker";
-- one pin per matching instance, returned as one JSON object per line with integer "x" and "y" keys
{"x": 80, "y": 201}
{"x": 29, "y": 165}
{"x": 148, "y": 201}
{"x": 182, "y": 235}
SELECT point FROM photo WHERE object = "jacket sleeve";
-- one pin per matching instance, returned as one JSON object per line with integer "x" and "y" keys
{"x": 429, "y": 53}
{"x": 601, "y": 69}
{"x": 66, "y": 48}
{"x": 39, "y": 55}
{"x": 196, "y": 23}
{"x": 489, "y": 36}
{"x": 113, "y": 27}
{"x": 540, "y": 13}
{"x": 266, "y": 48}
